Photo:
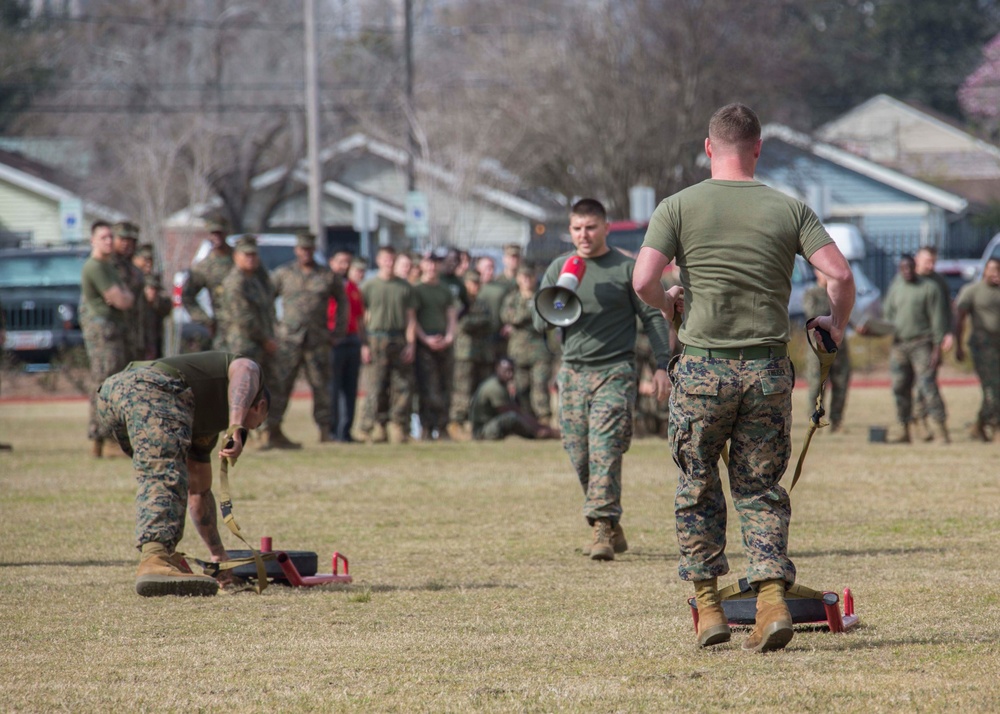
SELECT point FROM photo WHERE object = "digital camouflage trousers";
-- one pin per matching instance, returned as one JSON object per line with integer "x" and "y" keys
{"x": 748, "y": 404}
{"x": 595, "y": 418}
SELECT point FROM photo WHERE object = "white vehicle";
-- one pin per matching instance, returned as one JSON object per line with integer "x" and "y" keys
{"x": 275, "y": 249}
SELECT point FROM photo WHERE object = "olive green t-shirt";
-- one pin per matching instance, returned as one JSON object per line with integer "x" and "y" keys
{"x": 207, "y": 375}
{"x": 914, "y": 309}
{"x": 735, "y": 244}
{"x": 96, "y": 277}
{"x": 433, "y": 302}
{"x": 982, "y": 301}
{"x": 605, "y": 333}
{"x": 386, "y": 302}
{"x": 488, "y": 402}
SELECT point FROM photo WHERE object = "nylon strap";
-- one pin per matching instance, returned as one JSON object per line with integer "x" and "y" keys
{"x": 826, "y": 358}
{"x": 226, "y": 506}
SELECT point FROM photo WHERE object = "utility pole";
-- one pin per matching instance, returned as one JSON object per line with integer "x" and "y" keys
{"x": 411, "y": 146}
{"x": 312, "y": 127}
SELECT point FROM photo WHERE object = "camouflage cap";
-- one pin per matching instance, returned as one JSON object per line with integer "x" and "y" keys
{"x": 305, "y": 239}
{"x": 125, "y": 229}
{"x": 472, "y": 276}
{"x": 144, "y": 250}
{"x": 246, "y": 243}
{"x": 513, "y": 249}
{"x": 217, "y": 225}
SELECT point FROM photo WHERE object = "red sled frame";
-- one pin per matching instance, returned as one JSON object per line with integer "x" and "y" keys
{"x": 296, "y": 579}
{"x": 832, "y": 616}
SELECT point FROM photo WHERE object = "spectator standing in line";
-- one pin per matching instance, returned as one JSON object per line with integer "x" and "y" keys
{"x": 304, "y": 341}
{"x": 105, "y": 301}
{"x": 155, "y": 302}
{"x": 597, "y": 380}
{"x": 924, "y": 263}
{"x": 208, "y": 275}
{"x": 248, "y": 306}
{"x": 979, "y": 302}
{"x": 735, "y": 242}
{"x": 527, "y": 348}
{"x": 391, "y": 305}
{"x": 816, "y": 302}
{"x": 435, "y": 363}
{"x": 451, "y": 277}
{"x": 913, "y": 307}
{"x": 495, "y": 413}
{"x": 346, "y": 353}
{"x": 473, "y": 356}
{"x": 496, "y": 290}
{"x": 125, "y": 236}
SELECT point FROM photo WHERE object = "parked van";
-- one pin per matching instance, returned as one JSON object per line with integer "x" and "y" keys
{"x": 868, "y": 300}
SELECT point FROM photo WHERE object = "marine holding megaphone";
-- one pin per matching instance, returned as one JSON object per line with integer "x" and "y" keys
{"x": 589, "y": 295}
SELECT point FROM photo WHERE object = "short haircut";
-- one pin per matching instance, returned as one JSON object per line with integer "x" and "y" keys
{"x": 906, "y": 258}
{"x": 589, "y": 207}
{"x": 359, "y": 264}
{"x": 385, "y": 249}
{"x": 928, "y": 249}
{"x": 735, "y": 124}
{"x": 993, "y": 260}
{"x": 97, "y": 225}
{"x": 343, "y": 251}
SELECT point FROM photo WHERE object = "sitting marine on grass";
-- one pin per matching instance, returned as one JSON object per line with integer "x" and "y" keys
{"x": 495, "y": 413}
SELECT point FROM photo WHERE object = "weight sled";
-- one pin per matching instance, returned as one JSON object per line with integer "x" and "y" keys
{"x": 807, "y": 606}
{"x": 293, "y": 567}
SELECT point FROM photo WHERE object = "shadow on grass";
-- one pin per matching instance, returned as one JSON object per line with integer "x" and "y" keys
{"x": 847, "y": 553}
{"x": 71, "y": 564}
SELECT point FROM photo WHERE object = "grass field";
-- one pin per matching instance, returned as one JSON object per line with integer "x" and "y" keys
{"x": 470, "y": 592}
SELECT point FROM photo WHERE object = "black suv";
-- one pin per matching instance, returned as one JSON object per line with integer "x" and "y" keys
{"x": 40, "y": 293}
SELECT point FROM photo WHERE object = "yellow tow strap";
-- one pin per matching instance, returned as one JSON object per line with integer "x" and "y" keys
{"x": 226, "y": 506}
{"x": 826, "y": 356}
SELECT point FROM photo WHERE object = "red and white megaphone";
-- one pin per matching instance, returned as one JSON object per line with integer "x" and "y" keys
{"x": 558, "y": 304}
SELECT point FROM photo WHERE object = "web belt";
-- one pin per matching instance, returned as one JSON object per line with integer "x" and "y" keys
{"x": 826, "y": 356}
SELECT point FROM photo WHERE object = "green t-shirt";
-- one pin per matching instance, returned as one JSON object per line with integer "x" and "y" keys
{"x": 982, "y": 301}
{"x": 488, "y": 402}
{"x": 914, "y": 309}
{"x": 735, "y": 244}
{"x": 493, "y": 293}
{"x": 386, "y": 302}
{"x": 96, "y": 277}
{"x": 433, "y": 302}
{"x": 606, "y": 331}
{"x": 207, "y": 375}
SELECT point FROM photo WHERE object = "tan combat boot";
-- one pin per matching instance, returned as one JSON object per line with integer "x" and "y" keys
{"x": 378, "y": 435}
{"x": 941, "y": 431}
{"x": 160, "y": 574}
{"x": 457, "y": 432}
{"x": 922, "y": 431}
{"x": 600, "y": 546}
{"x": 397, "y": 434}
{"x": 772, "y": 629}
{"x": 278, "y": 440}
{"x": 713, "y": 625}
{"x": 899, "y": 434}
{"x": 618, "y": 542}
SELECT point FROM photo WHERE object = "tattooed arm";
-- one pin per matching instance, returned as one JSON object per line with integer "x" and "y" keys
{"x": 244, "y": 383}
{"x": 201, "y": 506}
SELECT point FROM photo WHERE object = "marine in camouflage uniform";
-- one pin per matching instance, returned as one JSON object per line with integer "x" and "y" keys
{"x": 735, "y": 248}
{"x": 249, "y": 307}
{"x": 389, "y": 353}
{"x": 435, "y": 361}
{"x": 924, "y": 262}
{"x": 527, "y": 348}
{"x": 126, "y": 234}
{"x": 816, "y": 302}
{"x": 208, "y": 275}
{"x": 155, "y": 303}
{"x": 597, "y": 380}
{"x": 305, "y": 288}
{"x": 167, "y": 415}
{"x": 913, "y": 306}
{"x": 473, "y": 355}
{"x": 980, "y": 301}
{"x": 104, "y": 301}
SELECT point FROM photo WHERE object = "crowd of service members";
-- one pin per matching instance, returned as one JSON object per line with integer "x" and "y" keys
{"x": 425, "y": 331}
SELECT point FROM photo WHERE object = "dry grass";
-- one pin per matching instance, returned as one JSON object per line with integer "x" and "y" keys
{"x": 470, "y": 593}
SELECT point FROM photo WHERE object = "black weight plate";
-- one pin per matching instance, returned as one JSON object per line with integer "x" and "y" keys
{"x": 743, "y": 611}
{"x": 305, "y": 562}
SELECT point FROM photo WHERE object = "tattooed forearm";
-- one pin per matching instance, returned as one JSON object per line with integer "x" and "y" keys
{"x": 244, "y": 381}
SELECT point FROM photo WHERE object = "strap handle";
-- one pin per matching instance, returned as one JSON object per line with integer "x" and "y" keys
{"x": 826, "y": 356}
